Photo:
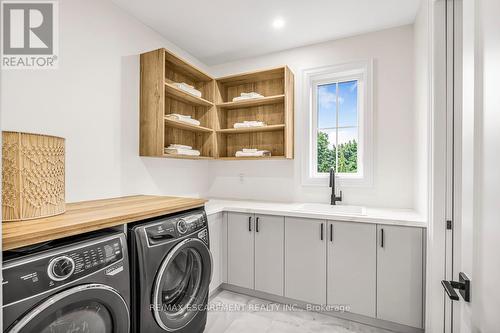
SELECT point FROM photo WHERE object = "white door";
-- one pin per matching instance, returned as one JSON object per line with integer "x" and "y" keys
{"x": 352, "y": 266}
{"x": 400, "y": 274}
{"x": 305, "y": 259}
{"x": 215, "y": 235}
{"x": 240, "y": 250}
{"x": 269, "y": 253}
{"x": 477, "y": 241}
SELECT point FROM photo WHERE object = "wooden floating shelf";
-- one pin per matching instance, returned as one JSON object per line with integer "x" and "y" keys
{"x": 183, "y": 96}
{"x": 187, "y": 157}
{"x": 234, "y": 158}
{"x": 215, "y": 138}
{"x": 268, "y": 128}
{"x": 186, "y": 126}
{"x": 268, "y": 100}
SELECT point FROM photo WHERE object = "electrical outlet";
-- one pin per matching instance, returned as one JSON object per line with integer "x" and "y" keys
{"x": 242, "y": 178}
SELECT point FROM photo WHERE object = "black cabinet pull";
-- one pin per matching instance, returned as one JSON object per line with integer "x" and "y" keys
{"x": 322, "y": 226}
{"x": 250, "y": 223}
{"x": 257, "y": 224}
{"x": 381, "y": 237}
{"x": 331, "y": 233}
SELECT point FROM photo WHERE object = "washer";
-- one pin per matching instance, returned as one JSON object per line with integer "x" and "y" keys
{"x": 171, "y": 272}
{"x": 74, "y": 285}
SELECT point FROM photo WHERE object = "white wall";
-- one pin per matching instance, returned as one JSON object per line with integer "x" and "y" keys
{"x": 421, "y": 106}
{"x": 93, "y": 101}
{"x": 394, "y": 146}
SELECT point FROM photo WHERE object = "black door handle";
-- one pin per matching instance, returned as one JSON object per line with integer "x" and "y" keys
{"x": 381, "y": 237}
{"x": 331, "y": 233}
{"x": 257, "y": 224}
{"x": 250, "y": 223}
{"x": 322, "y": 226}
{"x": 463, "y": 286}
{"x": 452, "y": 294}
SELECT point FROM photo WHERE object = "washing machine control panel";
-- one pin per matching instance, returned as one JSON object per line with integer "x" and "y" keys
{"x": 42, "y": 272}
{"x": 176, "y": 227}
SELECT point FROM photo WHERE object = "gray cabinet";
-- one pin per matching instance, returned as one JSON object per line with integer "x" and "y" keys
{"x": 352, "y": 266}
{"x": 305, "y": 259}
{"x": 269, "y": 253}
{"x": 240, "y": 250}
{"x": 400, "y": 274}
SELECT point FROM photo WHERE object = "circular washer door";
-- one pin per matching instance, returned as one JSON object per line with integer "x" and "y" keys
{"x": 90, "y": 308}
{"x": 181, "y": 285}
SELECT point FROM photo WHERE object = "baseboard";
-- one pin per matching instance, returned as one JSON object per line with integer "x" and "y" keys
{"x": 379, "y": 323}
{"x": 215, "y": 292}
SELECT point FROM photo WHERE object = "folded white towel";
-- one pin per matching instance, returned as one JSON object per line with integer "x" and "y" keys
{"x": 251, "y": 94}
{"x": 183, "y": 118}
{"x": 244, "y": 96}
{"x": 179, "y": 146}
{"x": 246, "y": 124}
{"x": 258, "y": 153}
{"x": 187, "y": 88}
{"x": 249, "y": 150}
{"x": 179, "y": 151}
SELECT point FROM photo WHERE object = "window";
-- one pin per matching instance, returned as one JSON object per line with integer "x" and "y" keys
{"x": 339, "y": 133}
{"x": 337, "y": 127}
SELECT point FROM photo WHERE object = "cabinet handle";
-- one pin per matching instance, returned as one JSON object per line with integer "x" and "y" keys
{"x": 250, "y": 223}
{"x": 322, "y": 227}
{"x": 257, "y": 224}
{"x": 381, "y": 237}
{"x": 331, "y": 233}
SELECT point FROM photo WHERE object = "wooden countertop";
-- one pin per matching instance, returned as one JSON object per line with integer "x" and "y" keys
{"x": 85, "y": 216}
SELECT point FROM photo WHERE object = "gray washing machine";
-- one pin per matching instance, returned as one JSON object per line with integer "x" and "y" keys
{"x": 73, "y": 285}
{"x": 171, "y": 269}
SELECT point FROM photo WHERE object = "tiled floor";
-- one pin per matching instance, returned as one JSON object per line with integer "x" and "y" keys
{"x": 235, "y": 313}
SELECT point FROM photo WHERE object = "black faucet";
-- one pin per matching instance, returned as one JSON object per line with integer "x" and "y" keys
{"x": 333, "y": 197}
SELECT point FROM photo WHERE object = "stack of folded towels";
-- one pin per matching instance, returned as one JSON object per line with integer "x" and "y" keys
{"x": 183, "y": 118}
{"x": 252, "y": 152}
{"x": 244, "y": 96}
{"x": 252, "y": 123}
{"x": 187, "y": 88}
{"x": 175, "y": 149}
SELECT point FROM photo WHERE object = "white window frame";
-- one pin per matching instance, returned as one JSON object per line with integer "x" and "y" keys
{"x": 314, "y": 77}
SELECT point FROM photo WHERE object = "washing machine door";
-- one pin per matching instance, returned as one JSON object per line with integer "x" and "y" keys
{"x": 181, "y": 285}
{"x": 90, "y": 308}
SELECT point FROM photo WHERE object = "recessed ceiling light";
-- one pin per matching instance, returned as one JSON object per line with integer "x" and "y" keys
{"x": 278, "y": 23}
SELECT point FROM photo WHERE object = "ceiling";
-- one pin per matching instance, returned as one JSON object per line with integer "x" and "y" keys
{"x": 218, "y": 31}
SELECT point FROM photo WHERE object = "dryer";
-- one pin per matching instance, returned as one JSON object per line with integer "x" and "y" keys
{"x": 171, "y": 272}
{"x": 72, "y": 285}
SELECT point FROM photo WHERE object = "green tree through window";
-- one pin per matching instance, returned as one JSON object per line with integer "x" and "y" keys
{"x": 348, "y": 155}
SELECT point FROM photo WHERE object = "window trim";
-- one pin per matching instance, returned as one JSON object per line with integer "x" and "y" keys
{"x": 312, "y": 78}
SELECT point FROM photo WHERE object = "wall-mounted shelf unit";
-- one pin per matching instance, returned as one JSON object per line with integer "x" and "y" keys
{"x": 216, "y": 136}
{"x": 275, "y": 109}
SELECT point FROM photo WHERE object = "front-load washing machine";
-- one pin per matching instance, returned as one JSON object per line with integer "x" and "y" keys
{"x": 72, "y": 285}
{"x": 171, "y": 269}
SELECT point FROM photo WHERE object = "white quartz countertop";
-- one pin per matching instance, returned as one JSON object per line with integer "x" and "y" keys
{"x": 402, "y": 217}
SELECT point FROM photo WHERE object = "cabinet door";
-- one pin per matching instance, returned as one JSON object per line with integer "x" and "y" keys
{"x": 215, "y": 235}
{"x": 240, "y": 250}
{"x": 269, "y": 253}
{"x": 305, "y": 260}
{"x": 399, "y": 274}
{"x": 352, "y": 266}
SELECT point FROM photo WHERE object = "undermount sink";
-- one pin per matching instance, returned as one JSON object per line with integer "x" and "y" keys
{"x": 329, "y": 209}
